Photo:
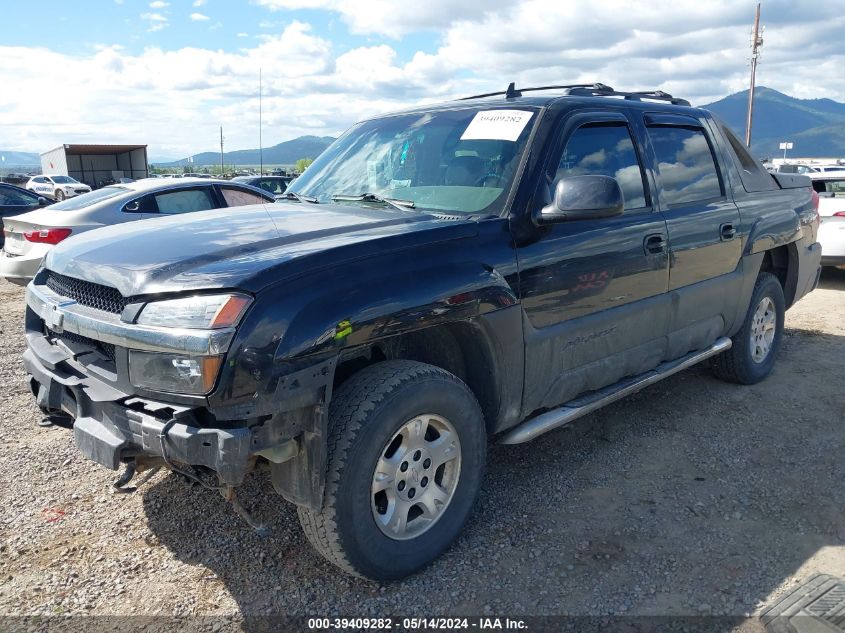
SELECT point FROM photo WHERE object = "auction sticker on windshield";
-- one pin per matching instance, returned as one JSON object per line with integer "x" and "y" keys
{"x": 497, "y": 125}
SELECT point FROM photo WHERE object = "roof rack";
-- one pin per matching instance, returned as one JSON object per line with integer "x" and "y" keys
{"x": 586, "y": 90}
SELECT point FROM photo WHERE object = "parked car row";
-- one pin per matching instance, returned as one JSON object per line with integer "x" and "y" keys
{"x": 830, "y": 187}
{"x": 56, "y": 186}
{"x": 803, "y": 169}
{"x": 16, "y": 178}
{"x": 16, "y": 200}
{"x": 28, "y": 237}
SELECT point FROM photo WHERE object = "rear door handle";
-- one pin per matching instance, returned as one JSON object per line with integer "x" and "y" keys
{"x": 655, "y": 243}
{"x": 727, "y": 231}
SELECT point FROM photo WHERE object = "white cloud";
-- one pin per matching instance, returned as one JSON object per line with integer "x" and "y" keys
{"x": 199, "y": 17}
{"x": 391, "y": 18}
{"x": 199, "y": 3}
{"x": 241, "y": 34}
{"x": 697, "y": 50}
{"x": 159, "y": 4}
{"x": 156, "y": 21}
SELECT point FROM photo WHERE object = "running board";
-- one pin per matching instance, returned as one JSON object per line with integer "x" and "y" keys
{"x": 590, "y": 402}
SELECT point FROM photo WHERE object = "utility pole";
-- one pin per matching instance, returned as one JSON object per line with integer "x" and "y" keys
{"x": 260, "y": 145}
{"x": 756, "y": 43}
{"x": 221, "y": 151}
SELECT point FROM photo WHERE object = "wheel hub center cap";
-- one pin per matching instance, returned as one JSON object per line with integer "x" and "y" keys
{"x": 416, "y": 476}
{"x": 413, "y": 476}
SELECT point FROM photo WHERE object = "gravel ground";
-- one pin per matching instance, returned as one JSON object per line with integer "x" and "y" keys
{"x": 693, "y": 497}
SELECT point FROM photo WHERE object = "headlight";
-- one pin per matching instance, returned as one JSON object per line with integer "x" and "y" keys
{"x": 173, "y": 373}
{"x": 203, "y": 311}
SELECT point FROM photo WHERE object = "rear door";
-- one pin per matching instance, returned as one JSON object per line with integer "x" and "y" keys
{"x": 703, "y": 222}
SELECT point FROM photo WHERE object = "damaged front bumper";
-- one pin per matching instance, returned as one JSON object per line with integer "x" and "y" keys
{"x": 77, "y": 358}
{"x": 111, "y": 427}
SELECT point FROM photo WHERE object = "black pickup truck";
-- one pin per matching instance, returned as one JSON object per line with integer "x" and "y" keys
{"x": 493, "y": 267}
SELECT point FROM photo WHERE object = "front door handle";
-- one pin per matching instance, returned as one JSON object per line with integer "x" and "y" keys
{"x": 655, "y": 243}
{"x": 727, "y": 231}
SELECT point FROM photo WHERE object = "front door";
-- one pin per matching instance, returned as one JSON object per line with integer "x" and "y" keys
{"x": 594, "y": 291}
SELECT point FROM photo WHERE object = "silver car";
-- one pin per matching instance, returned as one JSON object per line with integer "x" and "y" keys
{"x": 28, "y": 237}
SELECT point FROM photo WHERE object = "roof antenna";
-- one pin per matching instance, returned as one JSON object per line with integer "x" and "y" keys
{"x": 512, "y": 92}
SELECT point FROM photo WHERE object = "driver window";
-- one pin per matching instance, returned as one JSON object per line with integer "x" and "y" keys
{"x": 17, "y": 198}
{"x": 606, "y": 150}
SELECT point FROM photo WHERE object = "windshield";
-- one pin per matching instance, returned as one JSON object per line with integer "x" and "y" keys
{"x": 457, "y": 160}
{"x": 63, "y": 180}
{"x": 79, "y": 202}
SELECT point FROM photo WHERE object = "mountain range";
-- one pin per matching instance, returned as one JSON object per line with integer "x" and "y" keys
{"x": 816, "y": 127}
{"x": 286, "y": 153}
{"x": 10, "y": 159}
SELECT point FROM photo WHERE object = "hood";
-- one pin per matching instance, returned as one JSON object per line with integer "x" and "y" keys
{"x": 226, "y": 248}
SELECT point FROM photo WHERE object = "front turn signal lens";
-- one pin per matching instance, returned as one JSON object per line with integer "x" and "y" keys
{"x": 173, "y": 373}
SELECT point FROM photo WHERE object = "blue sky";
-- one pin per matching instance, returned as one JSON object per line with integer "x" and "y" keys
{"x": 170, "y": 72}
{"x": 82, "y": 26}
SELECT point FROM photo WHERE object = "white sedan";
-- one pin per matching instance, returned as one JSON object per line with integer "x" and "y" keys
{"x": 56, "y": 187}
{"x": 831, "y": 189}
{"x": 28, "y": 237}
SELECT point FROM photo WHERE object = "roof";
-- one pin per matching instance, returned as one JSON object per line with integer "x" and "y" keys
{"x": 264, "y": 177}
{"x": 98, "y": 149}
{"x": 542, "y": 97}
{"x": 146, "y": 184}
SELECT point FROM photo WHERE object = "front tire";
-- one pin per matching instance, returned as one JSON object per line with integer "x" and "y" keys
{"x": 756, "y": 345}
{"x": 407, "y": 447}
{"x": 59, "y": 195}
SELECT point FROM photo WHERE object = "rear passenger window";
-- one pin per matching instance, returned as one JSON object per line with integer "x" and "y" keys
{"x": 239, "y": 197}
{"x": 184, "y": 200}
{"x": 275, "y": 187}
{"x": 685, "y": 161}
{"x": 605, "y": 150}
{"x": 753, "y": 175}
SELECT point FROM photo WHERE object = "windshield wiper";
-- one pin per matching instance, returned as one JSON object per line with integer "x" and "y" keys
{"x": 292, "y": 195}
{"x": 402, "y": 205}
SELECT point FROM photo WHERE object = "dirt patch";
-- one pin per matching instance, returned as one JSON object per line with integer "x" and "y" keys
{"x": 691, "y": 497}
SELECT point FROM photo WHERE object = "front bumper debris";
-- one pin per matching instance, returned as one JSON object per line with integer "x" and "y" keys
{"x": 111, "y": 427}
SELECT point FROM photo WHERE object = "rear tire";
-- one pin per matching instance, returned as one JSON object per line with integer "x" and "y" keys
{"x": 406, "y": 453}
{"x": 756, "y": 345}
{"x": 59, "y": 195}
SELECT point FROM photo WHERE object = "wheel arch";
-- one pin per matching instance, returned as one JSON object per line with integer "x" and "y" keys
{"x": 477, "y": 351}
{"x": 782, "y": 262}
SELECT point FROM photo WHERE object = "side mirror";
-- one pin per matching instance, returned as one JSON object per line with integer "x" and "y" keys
{"x": 132, "y": 207}
{"x": 43, "y": 202}
{"x": 586, "y": 197}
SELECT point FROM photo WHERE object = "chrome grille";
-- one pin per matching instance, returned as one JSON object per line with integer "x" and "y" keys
{"x": 86, "y": 293}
